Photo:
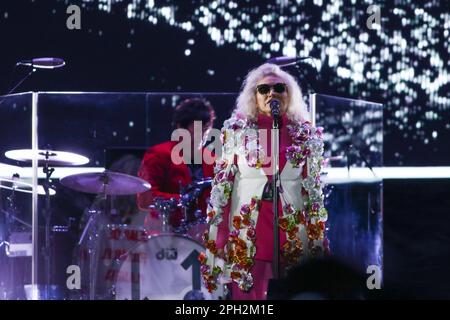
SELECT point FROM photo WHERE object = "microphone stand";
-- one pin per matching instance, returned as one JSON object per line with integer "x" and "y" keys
{"x": 275, "y": 189}
{"x": 18, "y": 84}
{"x": 45, "y": 63}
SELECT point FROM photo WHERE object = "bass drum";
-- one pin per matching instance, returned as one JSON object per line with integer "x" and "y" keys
{"x": 98, "y": 256}
{"x": 166, "y": 267}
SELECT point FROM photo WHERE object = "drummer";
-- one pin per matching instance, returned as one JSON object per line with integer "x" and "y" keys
{"x": 167, "y": 178}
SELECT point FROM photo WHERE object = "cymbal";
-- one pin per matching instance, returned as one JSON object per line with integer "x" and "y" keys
{"x": 54, "y": 158}
{"x": 109, "y": 183}
{"x": 205, "y": 182}
{"x": 21, "y": 186}
{"x": 202, "y": 183}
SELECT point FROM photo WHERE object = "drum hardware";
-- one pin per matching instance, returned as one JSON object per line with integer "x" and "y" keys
{"x": 15, "y": 185}
{"x": 104, "y": 184}
{"x": 165, "y": 207}
{"x": 14, "y": 239}
{"x": 20, "y": 186}
{"x": 48, "y": 158}
{"x": 189, "y": 202}
{"x": 129, "y": 262}
{"x": 193, "y": 191}
{"x": 117, "y": 270}
{"x": 20, "y": 244}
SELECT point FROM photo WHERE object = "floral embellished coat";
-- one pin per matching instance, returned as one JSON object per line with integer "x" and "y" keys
{"x": 239, "y": 184}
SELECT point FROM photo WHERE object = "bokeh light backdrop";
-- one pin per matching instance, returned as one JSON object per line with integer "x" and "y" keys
{"x": 151, "y": 45}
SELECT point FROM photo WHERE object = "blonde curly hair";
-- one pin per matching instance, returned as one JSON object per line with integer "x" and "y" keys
{"x": 246, "y": 101}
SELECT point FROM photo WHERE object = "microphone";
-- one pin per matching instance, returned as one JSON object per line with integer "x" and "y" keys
{"x": 275, "y": 108}
{"x": 43, "y": 63}
{"x": 284, "y": 61}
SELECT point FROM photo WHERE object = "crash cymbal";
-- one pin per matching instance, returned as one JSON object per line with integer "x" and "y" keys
{"x": 109, "y": 183}
{"x": 20, "y": 186}
{"x": 54, "y": 158}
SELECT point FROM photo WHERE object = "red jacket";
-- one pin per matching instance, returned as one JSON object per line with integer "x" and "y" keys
{"x": 166, "y": 178}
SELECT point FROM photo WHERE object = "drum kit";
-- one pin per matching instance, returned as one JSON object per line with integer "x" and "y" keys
{"x": 122, "y": 261}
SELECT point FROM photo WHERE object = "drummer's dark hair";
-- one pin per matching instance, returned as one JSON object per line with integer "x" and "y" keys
{"x": 193, "y": 109}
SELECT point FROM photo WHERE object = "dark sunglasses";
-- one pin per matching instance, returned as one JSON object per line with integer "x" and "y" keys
{"x": 265, "y": 88}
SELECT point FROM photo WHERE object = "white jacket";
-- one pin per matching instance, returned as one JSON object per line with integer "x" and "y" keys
{"x": 240, "y": 179}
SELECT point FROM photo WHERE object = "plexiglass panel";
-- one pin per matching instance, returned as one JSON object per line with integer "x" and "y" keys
{"x": 353, "y": 134}
{"x": 15, "y": 197}
{"x": 113, "y": 130}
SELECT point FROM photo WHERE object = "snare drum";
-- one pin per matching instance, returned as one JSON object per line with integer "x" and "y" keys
{"x": 164, "y": 267}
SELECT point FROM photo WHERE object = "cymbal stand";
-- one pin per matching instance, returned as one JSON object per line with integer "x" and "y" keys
{"x": 165, "y": 207}
{"x": 11, "y": 209}
{"x": 189, "y": 202}
{"x": 94, "y": 250}
{"x": 47, "y": 216}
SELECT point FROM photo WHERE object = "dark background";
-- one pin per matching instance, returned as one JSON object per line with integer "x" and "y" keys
{"x": 112, "y": 52}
